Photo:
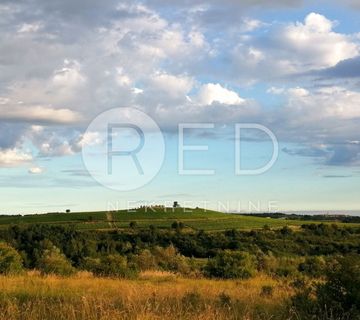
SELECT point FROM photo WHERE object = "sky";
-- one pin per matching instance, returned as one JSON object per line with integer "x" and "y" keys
{"x": 289, "y": 66}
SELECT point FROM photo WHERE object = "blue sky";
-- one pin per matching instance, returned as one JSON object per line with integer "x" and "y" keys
{"x": 289, "y": 65}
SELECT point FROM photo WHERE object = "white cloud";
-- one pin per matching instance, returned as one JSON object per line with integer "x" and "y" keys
{"x": 30, "y": 27}
{"x": 14, "y": 157}
{"x": 36, "y": 170}
{"x": 331, "y": 102}
{"x": 251, "y": 24}
{"x": 316, "y": 43}
{"x": 214, "y": 92}
{"x": 29, "y": 113}
{"x": 69, "y": 75}
{"x": 317, "y": 23}
{"x": 293, "y": 48}
{"x": 122, "y": 79}
{"x": 174, "y": 86}
{"x": 89, "y": 139}
{"x": 275, "y": 90}
{"x": 298, "y": 92}
{"x": 114, "y": 54}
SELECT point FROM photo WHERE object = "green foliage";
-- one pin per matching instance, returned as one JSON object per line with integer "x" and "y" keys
{"x": 227, "y": 265}
{"x": 341, "y": 293}
{"x": 337, "y": 298}
{"x": 177, "y": 225}
{"x": 10, "y": 260}
{"x": 313, "y": 266}
{"x": 113, "y": 265}
{"x": 170, "y": 260}
{"x": 52, "y": 261}
{"x": 278, "y": 266}
{"x": 133, "y": 224}
{"x": 145, "y": 260}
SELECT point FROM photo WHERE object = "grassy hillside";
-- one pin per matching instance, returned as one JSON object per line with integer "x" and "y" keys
{"x": 196, "y": 219}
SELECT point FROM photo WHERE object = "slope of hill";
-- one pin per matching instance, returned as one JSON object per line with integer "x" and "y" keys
{"x": 160, "y": 217}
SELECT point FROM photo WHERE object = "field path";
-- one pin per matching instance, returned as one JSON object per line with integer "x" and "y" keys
{"x": 110, "y": 219}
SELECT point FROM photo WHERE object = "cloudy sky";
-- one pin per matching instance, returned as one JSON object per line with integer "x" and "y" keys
{"x": 290, "y": 65}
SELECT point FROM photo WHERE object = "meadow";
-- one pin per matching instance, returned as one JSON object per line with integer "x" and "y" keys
{"x": 154, "y": 295}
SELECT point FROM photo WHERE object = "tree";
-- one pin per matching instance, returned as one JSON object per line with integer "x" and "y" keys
{"x": 145, "y": 260}
{"x": 336, "y": 298}
{"x": 10, "y": 260}
{"x": 52, "y": 261}
{"x": 133, "y": 225}
{"x": 341, "y": 293}
{"x": 115, "y": 265}
{"x": 227, "y": 264}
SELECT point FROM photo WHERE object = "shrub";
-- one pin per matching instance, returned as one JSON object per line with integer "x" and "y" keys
{"x": 224, "y": 300}
{"x": 112, "y": 265}
{"x": 341, "y": 293}
{"x": 337, "y": 298}
{"x": 313, "y": 266}
{"x": 267, "y": 291}
{"x": 228, "y": 264}
{"x": 133, "y": 225}
{"x": 91, "y": 264}
{"x": 52, "y": 261}
{"x": 10, "y": 260}
{"x": 145, "y": 260}
{"x": 177, "y": 225}
{"x": 284, "y": 266}
{"x": 170, "y": 260}
{"x": 193, "y": 301}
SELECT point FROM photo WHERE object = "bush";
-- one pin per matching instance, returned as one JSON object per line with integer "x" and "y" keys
{"x": 145, "y": 260}
{"x": 313, "y": 266}
{"x": 52, "y": 261}
{"x": 113, "y": 265}
{"x": 267, "y": 291}
{"x": 10, "y": 260}
{"x": 224, "y": 300}
{"x": 170, "y": 260}
{"x": 337, "y": 298}
{"x": 281, "y": 266}
{"x": 133, "y": 225}
{"x": 341, "y": 293}
{"x": 228, "y": 264}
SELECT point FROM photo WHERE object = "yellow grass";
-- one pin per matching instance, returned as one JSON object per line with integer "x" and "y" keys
{"x": 155, "y": 295}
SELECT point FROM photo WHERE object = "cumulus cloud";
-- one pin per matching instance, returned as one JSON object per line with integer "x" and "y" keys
{"x": 66, "y": 62}
{"x": 214, "y": 92}
{"x": 323, "y": 121}
{"x": 328, "y": 102}
{"x": 13, "y": 158}
{"x": 294, "y": 48}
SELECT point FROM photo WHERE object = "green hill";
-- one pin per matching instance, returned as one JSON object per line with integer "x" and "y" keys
{"x": 160, "y": 217}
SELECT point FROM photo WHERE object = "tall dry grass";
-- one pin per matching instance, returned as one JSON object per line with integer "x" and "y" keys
{"x": 155, "y": 295}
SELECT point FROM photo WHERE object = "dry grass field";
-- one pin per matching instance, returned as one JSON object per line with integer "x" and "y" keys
{"x": 155, "y": 295}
